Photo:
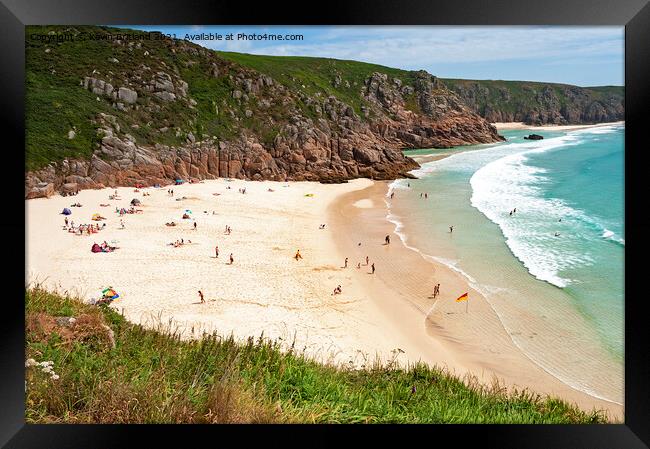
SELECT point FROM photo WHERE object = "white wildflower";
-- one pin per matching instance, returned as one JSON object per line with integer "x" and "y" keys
{"x": 30, "y": 362}
{"x": 55, "y": 376}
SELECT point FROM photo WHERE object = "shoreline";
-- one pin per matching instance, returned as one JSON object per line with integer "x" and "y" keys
{"x": 481, "y": 347}
{"x": 521, "y": 125}
{"x": 267, "y": 291}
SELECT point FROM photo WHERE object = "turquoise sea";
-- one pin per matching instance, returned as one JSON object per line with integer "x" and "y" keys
{"x": 559, "y": 259}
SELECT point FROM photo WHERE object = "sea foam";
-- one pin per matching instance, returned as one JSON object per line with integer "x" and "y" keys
{"x": 534, "y": 233}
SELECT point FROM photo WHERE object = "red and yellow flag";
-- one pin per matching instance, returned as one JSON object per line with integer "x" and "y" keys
{"x": 462, "y": 297}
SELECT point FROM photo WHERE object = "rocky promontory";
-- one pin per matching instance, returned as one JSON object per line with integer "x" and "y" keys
{"x": 145, "y": 112}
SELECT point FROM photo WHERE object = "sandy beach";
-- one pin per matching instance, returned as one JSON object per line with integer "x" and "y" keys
{"x": 522, "y": 125}
{"x": 389, "y": 314}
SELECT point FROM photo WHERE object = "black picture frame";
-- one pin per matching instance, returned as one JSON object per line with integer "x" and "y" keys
{"x": 633, "y": 14}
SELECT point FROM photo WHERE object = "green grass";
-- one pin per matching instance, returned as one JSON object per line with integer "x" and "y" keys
{"x": 155, "y": 377}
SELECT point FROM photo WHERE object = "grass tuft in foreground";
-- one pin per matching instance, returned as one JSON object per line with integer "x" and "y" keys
{"x": 107, "y": 370}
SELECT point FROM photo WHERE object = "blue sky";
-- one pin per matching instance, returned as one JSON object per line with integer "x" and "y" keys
{"x": 584, "y": 56}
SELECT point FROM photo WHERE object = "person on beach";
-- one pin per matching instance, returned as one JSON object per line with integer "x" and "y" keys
{"x": 216, "y": 251}
{"x": 232, "y": 259}
{"x": 337, "y": 290}
{"x": 359, "y": 265}
{"x": 514, "y": 210}
{"x": 511, "y": 213}
{"x": 66, "y": 222}
{"x": 451, "y": 229}
{"x": 195, "y": 225}
{"x": 201, "y": 296}
{"x": 346, "y": 263}
{"x": 298, "y": 255}
{"x": 122, "y": 223}
{"x": 420, "y": 194}
{"x": 392, "y": 194}
{"x": 373, "y": 268}
{"x": 387, "y": 240}
{"x": 426, "y": 196}
{"x": 367, "y": 260}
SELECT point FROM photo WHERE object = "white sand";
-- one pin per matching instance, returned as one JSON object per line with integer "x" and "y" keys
{"x": 265, "y": 290}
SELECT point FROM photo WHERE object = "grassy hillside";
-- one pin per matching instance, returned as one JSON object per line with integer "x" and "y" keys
{"x": 520, "y": 96}
{"x": 316, "y": 75}
{"x": 151, "y": 377}
{"x": 56, "y": 102}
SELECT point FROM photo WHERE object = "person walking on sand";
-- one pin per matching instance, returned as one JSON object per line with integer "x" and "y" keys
{"x": 451, "y": 229}
{"x": 426, "y": 196}
{"x": 346, "y": 263}
{"x": 367, "y": 260}
{"x": 373, "y": 268}
{"x": 232, "y": 259}
{"x": 298, "y": 255}
{"x": 195, "y": 225}
{"x": 387, "y": 240}
{"x": 436, "y": 291}
{"x": 201, "y": 296}
{"x": 66, "y": 222}
{"x": 216, "y": 251}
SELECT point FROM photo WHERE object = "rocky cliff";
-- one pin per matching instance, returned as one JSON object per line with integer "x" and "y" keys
{"x": 541, "y": 103}
{"x": 116, "y": 111}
